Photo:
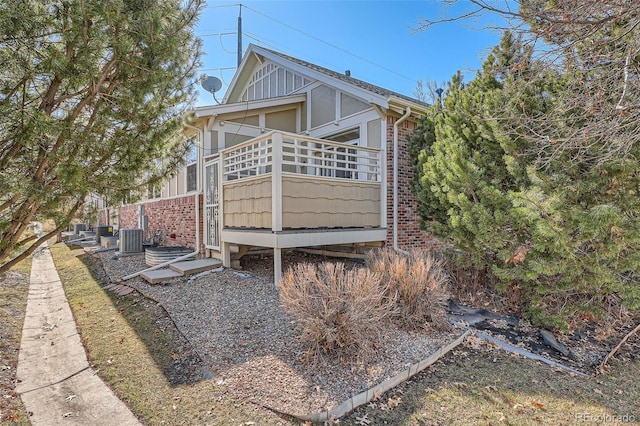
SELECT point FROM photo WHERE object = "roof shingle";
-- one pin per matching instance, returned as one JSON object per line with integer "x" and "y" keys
{"x": 347, "y": 79}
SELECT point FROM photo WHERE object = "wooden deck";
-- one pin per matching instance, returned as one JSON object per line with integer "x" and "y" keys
{"x": 283, "y": 190}
{"x": 285, "y": 181}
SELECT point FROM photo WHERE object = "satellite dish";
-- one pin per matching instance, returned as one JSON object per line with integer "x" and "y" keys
{"x": 211, "y": 84}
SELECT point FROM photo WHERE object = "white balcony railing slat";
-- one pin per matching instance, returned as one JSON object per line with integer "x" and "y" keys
{"x": 301, "y": 155}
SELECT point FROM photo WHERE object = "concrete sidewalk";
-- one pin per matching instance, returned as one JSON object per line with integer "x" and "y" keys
{"x": 55, "y": 381}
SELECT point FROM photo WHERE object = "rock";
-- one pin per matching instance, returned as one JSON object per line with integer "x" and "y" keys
{"x": 550, "y": 340}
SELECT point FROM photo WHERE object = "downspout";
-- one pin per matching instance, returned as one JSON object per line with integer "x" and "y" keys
{"x": 198, "y": 181}
{"x": 406, "y": 115}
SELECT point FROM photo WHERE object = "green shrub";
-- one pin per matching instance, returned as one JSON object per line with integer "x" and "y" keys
{"x": 557, "y": 228}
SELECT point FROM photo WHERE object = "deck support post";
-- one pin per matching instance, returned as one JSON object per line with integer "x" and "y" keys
{"x": 226, "y": 254}
{"x": 276, "y": 200}
{"x": 276, "y": 183}
{"x": 277, "y": 266}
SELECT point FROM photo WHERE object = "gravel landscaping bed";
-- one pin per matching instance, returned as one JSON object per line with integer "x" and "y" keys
{"x": 248, "y": 344}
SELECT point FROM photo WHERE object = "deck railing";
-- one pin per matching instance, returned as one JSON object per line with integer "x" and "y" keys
{"x": 301, "y": 155}
{"x": 285, "y": 181}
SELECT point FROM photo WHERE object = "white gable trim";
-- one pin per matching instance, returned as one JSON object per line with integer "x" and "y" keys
{"x": 271, "y": 80}
{"x": 356, "y": 91}
{"x": 250, "y": 60}
{"x": 251, "y": 105}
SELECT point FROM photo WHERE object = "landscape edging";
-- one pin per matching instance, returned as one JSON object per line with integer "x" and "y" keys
{"x": 382, "y": 387}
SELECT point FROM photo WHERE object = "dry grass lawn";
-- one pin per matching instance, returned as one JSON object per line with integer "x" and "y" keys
{"x": 486, "y": 386}
{"x": 133, "y": 348}
{"x": 14, "y": 288}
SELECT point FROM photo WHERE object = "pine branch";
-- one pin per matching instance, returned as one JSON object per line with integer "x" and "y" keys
{"x": 606, "y": 359}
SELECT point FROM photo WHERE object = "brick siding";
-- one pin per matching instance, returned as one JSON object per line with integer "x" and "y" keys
{"x": 409, "y": 232}
{"x": 174, "y": 218}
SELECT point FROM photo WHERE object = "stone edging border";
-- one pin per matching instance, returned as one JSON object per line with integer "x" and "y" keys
{"x": 366, "y": 396}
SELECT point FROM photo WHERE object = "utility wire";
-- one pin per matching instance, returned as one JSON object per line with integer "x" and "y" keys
{"x": 261, "y": 41}
{"x": 217, "y": 69}
{"x": 313, "y": 37}
{"x": 327, "y": 43}
{"x": 224, "y": 48}
{"x": 215, "y": 34}
{"x": 211, "y": 6}
{"x": 271, "y": 44}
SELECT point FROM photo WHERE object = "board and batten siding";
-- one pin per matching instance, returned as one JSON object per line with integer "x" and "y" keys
{"x": 307, "y": 202}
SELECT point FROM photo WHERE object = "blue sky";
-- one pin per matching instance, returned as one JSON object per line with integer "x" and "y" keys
{"x": 375, "y": 40}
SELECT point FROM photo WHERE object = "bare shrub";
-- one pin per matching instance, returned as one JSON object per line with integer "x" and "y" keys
{"x": 340, "y": 312}
{"x": 476, "y": 286}
{"x": 417, "y": 281}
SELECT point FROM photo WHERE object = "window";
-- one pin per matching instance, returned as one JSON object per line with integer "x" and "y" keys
{"x": 192, "y": 177}
{"x": 192, "y": 166}
{"x": 344, "y": 165}
{"x": 154, "y": 190}
{"x": 352, "y": 136}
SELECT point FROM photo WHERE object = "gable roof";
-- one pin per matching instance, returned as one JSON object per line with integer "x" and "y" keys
{"x": 348, "y": 79}
{"x": 370, "y": 92}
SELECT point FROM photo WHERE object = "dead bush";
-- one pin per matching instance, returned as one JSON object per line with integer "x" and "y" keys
{"x": 417, "y": 281}
{"x": 473, "y": 286}
{"x": 340, "y": 312}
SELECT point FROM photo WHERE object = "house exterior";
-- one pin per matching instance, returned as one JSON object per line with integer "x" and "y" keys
{"x": 295, "y": 155}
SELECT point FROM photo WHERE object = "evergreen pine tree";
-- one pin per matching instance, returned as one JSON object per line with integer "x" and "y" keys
{"x": 465, "y": 176}
{"x": 92, "y": 94}
{"x": 420, "y": 142}
{"x": 566, "y": 232}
